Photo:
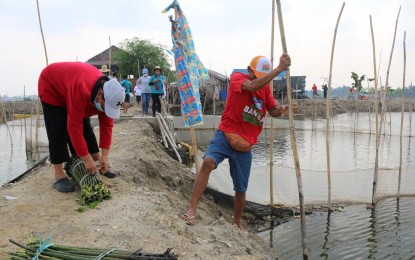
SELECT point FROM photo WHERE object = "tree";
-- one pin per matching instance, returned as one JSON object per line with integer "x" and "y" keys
{"x": 357, "y": 82}
{"x": 139, "y": 54}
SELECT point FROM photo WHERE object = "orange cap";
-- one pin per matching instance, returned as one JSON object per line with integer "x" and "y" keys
{"x": 261, "y": 66}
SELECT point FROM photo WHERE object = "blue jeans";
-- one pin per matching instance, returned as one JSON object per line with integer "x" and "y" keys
{"x": 239, "y": 162}
{"x": 145, "y": 99}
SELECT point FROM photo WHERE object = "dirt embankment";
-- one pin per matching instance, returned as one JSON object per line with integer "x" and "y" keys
{"x": 152, "y": 190}
{"x": 316, "y": 108}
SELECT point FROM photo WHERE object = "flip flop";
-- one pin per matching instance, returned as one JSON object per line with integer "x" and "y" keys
{"x": 110, "y": 174}
{"x": 190, "y": 220}
{"x": 63, "y": 185}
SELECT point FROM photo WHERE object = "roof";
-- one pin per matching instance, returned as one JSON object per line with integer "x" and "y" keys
{"x": 104, "y": 57}
{"x": 217, "y": 75}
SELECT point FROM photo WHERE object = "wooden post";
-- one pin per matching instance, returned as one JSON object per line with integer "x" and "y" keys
{"x": 41, "y": 32}
{"x": 293, "y": 138}
{"x": 110, "y": 55}
{"x": 328, "y": 104}
{"x": 402, "y": 114}
{"x": 382, "y": 113}
{"x": 271, "y": 138}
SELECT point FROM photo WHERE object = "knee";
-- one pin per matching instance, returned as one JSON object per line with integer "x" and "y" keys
{"x": 209, "y": 163}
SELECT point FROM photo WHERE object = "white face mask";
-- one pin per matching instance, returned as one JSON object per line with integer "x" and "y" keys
{"x": 98, "y": 106}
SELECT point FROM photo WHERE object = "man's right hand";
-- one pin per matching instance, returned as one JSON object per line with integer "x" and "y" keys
{"x": 285, "y": 61}
{"x": 90, "y": 165}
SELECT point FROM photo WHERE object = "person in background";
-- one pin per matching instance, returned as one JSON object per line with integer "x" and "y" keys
{"x": 156, "y": 83}
{"x": 113, "y": 74}
{"x": 126, "y": 84}
{"x": 249, "y": 99}
{"x": 137, "y": 93}
{"x": 314, "y": 88}
{"x": 351, "y": 93}
{"x": 71, "y": 92}
{"x": 145, "y": 88}
{"x": 325, "y": 88}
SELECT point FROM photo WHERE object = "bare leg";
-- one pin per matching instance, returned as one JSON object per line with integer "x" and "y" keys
{"x": 59, "y": 173}
{"x": 200, "y": 184}
{"x": 238, "y": 208}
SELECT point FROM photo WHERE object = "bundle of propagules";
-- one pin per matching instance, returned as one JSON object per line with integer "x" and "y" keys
{"x": 93, "y": 190}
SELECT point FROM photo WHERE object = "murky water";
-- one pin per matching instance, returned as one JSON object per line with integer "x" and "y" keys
{"x": 14, "y": 160}
{"x": 388, "y": 232}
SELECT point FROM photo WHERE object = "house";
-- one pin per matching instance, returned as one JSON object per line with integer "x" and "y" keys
{"x": 104, "y": 58}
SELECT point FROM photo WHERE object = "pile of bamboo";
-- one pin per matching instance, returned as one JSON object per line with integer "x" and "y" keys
{"x": 167, "y": 135}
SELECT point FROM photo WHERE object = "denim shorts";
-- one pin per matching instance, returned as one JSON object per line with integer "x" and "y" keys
{"x": 239, "y": 162}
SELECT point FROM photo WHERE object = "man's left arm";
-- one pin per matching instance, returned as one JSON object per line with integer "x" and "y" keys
{"x": 105, "y": 137}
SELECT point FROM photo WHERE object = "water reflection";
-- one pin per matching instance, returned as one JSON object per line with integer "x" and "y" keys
{"x": 386, "y": 232}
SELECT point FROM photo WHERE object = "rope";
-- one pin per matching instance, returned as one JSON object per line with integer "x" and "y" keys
{"x": 42, "y": 246}
{"x": 104, "y": 254}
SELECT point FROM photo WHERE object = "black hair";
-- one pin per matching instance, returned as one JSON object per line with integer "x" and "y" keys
{"x": 98, "y": 85}
{"x": 125, "y": 76}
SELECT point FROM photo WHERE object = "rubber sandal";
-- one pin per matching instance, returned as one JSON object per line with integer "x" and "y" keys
{"x": 190, "y": 220}
{"x": 63, "y": 185}
{"x": 110, "y": 174}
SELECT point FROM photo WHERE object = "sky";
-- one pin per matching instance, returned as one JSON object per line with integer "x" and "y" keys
{"x": 227, "y": 35}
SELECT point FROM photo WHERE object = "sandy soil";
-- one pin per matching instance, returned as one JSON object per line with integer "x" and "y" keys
{"x": 152, "y": 190}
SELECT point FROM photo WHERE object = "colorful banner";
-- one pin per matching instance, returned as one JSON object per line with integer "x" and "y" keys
{"x": 189, "y": 68}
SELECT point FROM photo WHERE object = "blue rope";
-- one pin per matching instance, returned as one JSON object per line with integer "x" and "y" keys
{"x": 104, "y": 254}
{"x": 42, "y": 245}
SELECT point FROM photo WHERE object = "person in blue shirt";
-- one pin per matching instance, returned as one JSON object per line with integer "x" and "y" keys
{"x": 126, "y": 84}
{"x": 156, "y": 82}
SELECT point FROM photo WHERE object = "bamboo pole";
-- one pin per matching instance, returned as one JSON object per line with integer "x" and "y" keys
{"x": 163, "y": 136}
{"x": 41, "y": 31}
{"x": 402, "y": 114}
{"x": 110, "y": 54}
{"x": 271, "y": 131}
{"x": 293, "y": 138}
{"x": 24, "y": 107}
{"x": 375, "y": 177}
{"x": 383, "y": 113}
{"x": 328, "y": 104}
{"x": 410, "y": 110}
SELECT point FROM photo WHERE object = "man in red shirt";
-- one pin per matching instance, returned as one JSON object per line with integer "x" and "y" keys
{"x": 249, "y": 98}
{"x": 71, "y": 92}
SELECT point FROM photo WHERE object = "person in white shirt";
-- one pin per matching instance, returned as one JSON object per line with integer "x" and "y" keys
{"x": 145, "y": 88}
{"x": 137, "y": 93}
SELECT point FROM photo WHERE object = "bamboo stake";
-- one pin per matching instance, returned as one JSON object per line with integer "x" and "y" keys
{"x": 24, "y": 105}
{"x": 383, "y": 113}
{"x": 410, "y": 111}
{"x": 375, "y": 177}
{"x": 328, "y": 104}
{"x": 271, "y": 139}
{"x": 293, "y": 138}
{"x": 110, "y": 54}
{"x": 163, "y": 121}
{"x": 163, "y": 136}
{"x": 41, "y": 31}
{"x": 403, "y": 110}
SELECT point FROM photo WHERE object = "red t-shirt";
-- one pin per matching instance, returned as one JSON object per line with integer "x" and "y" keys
{"x": 69, "y": 85}
{"x": 245, "y": 110}
{"x": 314, "y": 88}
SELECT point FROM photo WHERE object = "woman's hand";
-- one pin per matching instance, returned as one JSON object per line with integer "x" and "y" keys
{"x": 90, "y": 165}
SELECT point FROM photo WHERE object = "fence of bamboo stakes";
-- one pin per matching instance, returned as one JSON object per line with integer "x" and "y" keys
{"x": 293, "y": 137}
{"x": 402, "y": 114}
{"x": 382, "y": 112}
